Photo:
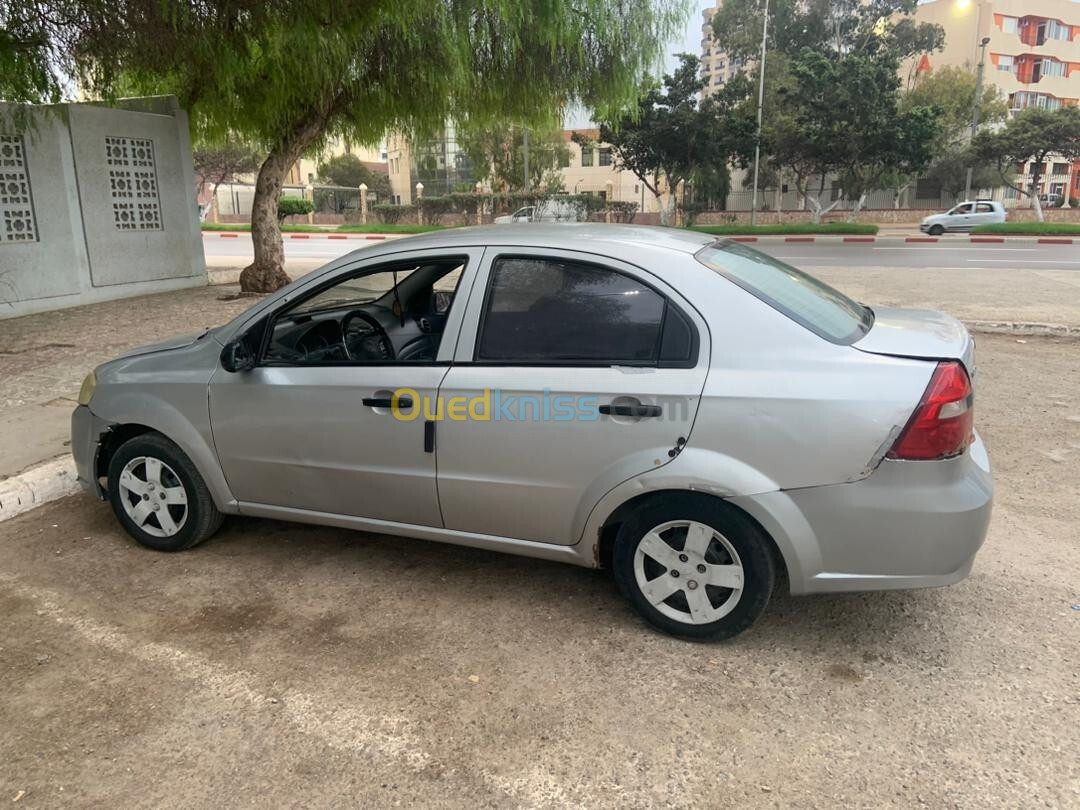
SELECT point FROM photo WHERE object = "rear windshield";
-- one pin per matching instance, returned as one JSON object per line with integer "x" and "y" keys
{"x": 807, "y": 301}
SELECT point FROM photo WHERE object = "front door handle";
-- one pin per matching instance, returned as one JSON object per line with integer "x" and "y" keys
{"x": 387, "y": 402}
{"x": 631, "y": 410}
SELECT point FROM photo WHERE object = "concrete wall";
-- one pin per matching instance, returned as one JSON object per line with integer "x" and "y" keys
{"x": 96, "y": 203}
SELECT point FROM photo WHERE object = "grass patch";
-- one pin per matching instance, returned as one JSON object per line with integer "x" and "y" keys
{"x": 1031, "y": 228}
{"x": 794, "y": 229}
{"x": 381, "y": 228}
{"x": 373, "y": 228}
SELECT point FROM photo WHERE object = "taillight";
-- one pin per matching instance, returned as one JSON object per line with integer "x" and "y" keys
{"x": 944, "y": 423}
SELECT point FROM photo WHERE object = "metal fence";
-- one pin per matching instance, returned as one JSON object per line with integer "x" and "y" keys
{"x": 234, "y": 199}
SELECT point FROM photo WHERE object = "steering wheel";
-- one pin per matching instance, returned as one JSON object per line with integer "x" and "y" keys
{"x": 372, "y": 337}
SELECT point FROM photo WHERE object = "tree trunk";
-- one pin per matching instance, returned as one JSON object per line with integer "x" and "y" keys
{"x": 859, "y": 203}
{"x": 267, "y": 272}
{"x": 1034, "y": 193}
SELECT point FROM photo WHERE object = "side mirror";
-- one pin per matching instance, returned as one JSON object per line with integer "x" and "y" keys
{"x": 236, "y": 356}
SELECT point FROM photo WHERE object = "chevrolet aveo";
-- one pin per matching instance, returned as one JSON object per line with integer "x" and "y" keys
{"x": 696, "y": 415}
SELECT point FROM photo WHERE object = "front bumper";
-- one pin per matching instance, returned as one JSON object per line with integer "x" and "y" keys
{"x": 86, "y": 432}
{"x": 910, "y": 524}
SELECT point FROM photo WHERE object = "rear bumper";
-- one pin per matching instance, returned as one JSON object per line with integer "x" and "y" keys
{"x": 910, "y": 524}
{"x": 86, "y": 432}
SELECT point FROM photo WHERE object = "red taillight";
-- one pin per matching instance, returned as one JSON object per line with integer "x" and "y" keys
{"x": 944, "y": 423}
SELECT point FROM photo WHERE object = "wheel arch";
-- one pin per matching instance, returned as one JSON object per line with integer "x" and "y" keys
{"x": 609, "y": 529}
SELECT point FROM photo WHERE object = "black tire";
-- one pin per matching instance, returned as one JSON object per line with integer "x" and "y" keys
{"x": 936, "y": 230}
{"x": 201, "y": 518}
{"x": 747, "y": 539}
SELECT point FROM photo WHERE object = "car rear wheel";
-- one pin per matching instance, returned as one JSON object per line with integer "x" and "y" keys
{"x": 158, "y": 496}
{"x": 937, "y": 230}
{"x": 694, "y": 567}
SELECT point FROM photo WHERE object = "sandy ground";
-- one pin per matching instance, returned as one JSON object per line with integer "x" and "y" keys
{"x": 285, "y": 666}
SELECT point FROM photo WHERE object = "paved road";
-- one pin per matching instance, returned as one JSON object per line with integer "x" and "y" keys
{"x": 950, "y": 254}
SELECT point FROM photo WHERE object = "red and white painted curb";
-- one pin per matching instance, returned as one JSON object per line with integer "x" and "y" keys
{"x": 368, "y": 236}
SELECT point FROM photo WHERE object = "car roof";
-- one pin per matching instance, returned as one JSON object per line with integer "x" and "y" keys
{"x": 618, "y": 241}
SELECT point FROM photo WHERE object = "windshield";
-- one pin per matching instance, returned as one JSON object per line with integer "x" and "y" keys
{"x": 809, "y": 302}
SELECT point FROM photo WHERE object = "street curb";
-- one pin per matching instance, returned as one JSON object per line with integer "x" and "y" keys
{"x": 36, "y": 486}
{"x": 1023, "y": 329}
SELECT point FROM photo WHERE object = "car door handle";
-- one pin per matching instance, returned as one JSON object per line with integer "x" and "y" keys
{"x": 387, "y": 402}
{"x": 631, "y": 410}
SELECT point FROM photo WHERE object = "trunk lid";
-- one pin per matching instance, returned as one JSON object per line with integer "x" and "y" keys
{"x": 920, "y": 333}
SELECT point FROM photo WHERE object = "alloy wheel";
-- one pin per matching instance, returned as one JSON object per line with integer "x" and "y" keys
{"x": 689, "y": 571}
{"x": 153, "y": 496}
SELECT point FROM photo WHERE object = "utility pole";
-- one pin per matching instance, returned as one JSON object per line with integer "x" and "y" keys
{"x": 760, "y": 101}
{"x": 975, "y": 106}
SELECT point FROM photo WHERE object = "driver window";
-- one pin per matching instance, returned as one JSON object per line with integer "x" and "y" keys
{"x": 384, "y": 315}
{"x": 962, "y": 209}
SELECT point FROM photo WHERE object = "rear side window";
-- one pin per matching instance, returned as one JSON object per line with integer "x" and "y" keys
{"x": 551, "y": 311}
{"x": 817, "y": 306}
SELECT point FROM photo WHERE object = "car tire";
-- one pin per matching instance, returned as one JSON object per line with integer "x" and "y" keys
{"x": 659, "y": 566}
{"x": 158, "y": 496}
{"x": 936, "y": 230}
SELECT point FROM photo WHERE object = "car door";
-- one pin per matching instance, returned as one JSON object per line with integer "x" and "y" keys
{"x": 573, "y": 374}
{"x": 301, "y": 431}
{"x": 960, "y": 218}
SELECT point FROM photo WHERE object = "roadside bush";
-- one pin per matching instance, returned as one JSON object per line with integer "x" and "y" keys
{"x": 435, "y": 208}
{"x": 622, "y": 211}
{"x": 293, "y": 206}
{"x": 391, "y": 214}
{"x": 691, "y": 211}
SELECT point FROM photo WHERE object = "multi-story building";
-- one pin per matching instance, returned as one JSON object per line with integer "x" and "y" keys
{"x": 1033, "y": 58}
{"x": 717, "y": 66}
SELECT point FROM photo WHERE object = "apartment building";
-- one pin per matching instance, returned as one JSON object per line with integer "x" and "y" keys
{"x": 1033, "y": 58}
{"x": 717, "y": 67}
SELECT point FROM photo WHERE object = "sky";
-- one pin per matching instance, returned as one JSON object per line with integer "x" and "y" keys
{"x": 690, "y": 42}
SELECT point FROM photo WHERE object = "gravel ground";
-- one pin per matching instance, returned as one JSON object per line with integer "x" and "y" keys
{"x": 282, "y": 665}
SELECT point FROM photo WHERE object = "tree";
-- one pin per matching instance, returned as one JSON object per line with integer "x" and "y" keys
{"x": 670, "y": 135}
{"x": 350, "y": 171}
{"x": 839, "y": 115}
{"x": 290, "y": 74}
{"x": 498, "y": 155}
{"x": 1031, "y": 135}
{"x": 833, "y": 26}
{"x": 951, "y": 91}
{"x": 215, "y": 165}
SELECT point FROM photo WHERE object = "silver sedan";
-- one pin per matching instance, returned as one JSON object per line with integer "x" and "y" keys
{"x": 698, "y": 417}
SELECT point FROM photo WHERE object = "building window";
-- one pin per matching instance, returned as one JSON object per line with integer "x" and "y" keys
{"x": 586, "y": 156}
{"x": 605, "y": 157}
{"x": 1011, "y": 193}
{"x": 1005, "y": 63}
{"x": 1051, "y": 67}
{"x": 1008, "y": 25}
{"x": 1061, "y": 168}
{"x": 1051, "y": 29}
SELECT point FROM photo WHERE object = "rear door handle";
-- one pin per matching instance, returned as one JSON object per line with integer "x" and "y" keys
{"x": 387, "y": 402}
{"x": 631, "y": 410}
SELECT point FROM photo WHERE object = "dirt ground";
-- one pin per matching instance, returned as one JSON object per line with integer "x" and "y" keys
{"x": 282, "y": 665}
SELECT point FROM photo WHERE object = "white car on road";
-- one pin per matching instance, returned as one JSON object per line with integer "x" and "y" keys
{"x": 964, "y": 217}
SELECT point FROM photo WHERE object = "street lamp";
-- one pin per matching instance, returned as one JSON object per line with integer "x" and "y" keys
{"x": 975, "y": 106}
{"x": 760, "y": 99}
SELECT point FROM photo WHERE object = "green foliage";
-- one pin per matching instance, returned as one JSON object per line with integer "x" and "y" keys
{"x": 822, "y": 228}
{"x": 221, "y": 163}
{"x": 497, "y": 155}
{"x": 1030, "y": 135}
{"x": 622, "y": 211}
{"x": 349, "y": 171}
{"x": 671, "y": 134}
{"x": 435, "y": 208}
{"x": 391, "y": 214}
{"x": 834, "y": 26}
{"x": 691, "y": 210}
{"x": 293, "y": 206}
{"x": 840, "y": 115}
{"x": 1031, "y": 228}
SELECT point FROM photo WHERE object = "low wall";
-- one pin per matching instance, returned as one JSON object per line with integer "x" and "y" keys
{"x": 96, "y": 203}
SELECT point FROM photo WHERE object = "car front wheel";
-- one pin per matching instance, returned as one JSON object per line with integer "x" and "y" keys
{"x": 158, "y": 495}
{"x": 937, "y": 230}
{"x": 694, "y": 567}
